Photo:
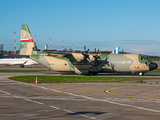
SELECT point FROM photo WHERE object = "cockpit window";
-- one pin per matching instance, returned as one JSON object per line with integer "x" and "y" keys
{"x": 145, "y": 58}
{"x": 149, "y": 59}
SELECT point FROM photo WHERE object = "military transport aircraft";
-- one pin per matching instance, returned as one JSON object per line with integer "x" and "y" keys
{"x": 84, "y": 63}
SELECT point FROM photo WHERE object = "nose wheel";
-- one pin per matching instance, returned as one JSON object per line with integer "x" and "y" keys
{"x": 141, "y": 73}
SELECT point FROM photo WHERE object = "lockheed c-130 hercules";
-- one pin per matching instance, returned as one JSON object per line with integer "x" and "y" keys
{"x": 84, "y": 63}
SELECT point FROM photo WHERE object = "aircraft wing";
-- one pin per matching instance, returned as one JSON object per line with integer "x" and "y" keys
{"x": 75, "y": 57}
{"x": 60, "y": 54}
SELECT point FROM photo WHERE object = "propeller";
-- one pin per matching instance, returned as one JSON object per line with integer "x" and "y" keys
{"x": 96, "y": 57}
{"x": 96, "y": 52}
{"x": 85, "y": 54}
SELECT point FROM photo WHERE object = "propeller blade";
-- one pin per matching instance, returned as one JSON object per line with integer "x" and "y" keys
{"x": 87, "y": 51}
{"x": 84, "y": 48}
{"x": 98, "y": 51}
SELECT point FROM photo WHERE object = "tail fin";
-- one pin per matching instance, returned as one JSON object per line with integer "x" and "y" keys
{"x": 26, "y": 41}
{"x": 116, "y": 50}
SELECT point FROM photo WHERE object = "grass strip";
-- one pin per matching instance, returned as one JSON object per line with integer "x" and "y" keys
{"x": 74, "y": 79}
{"x": 14, "y": 71}
{"x": 155, "y": 71}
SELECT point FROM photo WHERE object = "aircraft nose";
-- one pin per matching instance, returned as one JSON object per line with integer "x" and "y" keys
{"x": 152, "y": 66}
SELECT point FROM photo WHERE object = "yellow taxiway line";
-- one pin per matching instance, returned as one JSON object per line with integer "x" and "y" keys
{"x": 108, "y": 91}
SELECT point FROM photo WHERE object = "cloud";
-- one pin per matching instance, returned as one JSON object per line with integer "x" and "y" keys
{"x": 142, "y": 42}
{"x": 145, "y": 49}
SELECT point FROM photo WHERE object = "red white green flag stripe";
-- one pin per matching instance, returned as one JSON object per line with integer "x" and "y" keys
{"x": 26, "y": 41}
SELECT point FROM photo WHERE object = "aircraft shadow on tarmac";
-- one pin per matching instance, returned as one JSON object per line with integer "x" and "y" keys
{"x": 81, "y": 112}
{"x": 117, "y": 74}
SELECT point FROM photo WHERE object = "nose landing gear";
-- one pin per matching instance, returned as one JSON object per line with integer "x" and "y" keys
{"x": 141, "y": 73}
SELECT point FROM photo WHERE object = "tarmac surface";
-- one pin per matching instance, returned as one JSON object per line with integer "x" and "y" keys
{"x": 158, "y": 63}
{"x": 78, "y": 101}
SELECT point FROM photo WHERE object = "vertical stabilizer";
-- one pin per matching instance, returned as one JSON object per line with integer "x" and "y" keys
{"x": 26, "y": 41}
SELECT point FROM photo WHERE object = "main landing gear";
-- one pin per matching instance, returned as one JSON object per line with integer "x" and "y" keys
{"x": 94, "y": 73}
{"x": 22, "y": 66}
{"x": 91, "y": 73}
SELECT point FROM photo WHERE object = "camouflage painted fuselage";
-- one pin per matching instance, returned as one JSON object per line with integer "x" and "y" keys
{"x": 108, "y": 63}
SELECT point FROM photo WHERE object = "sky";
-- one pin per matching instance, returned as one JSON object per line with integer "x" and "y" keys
{"x": 133, "y": 25}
